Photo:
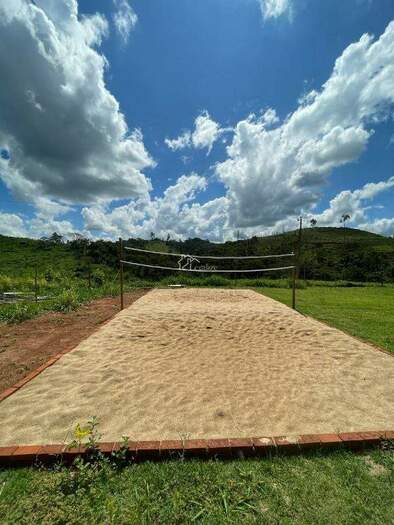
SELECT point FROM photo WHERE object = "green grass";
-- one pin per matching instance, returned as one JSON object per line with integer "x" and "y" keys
{"x": 363, "y": 312}
{"x": 341, "y": 488}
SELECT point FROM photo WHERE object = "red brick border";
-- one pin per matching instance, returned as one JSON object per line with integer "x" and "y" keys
{"x": 31, "y": 375}
{"x": 202, "y": 448}
{"x": 52, "y": 360}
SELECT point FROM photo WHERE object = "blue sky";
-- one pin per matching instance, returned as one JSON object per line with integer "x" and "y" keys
{"x": 168, "y": 63}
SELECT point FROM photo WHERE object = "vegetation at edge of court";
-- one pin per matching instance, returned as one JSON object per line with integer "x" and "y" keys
{"x": 336, "y": 488}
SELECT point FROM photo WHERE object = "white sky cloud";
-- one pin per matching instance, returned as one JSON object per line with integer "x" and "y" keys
{"x": 65, "y": 133}
{"x": 353, "y": 203}
{"x": 274, "y": 173}
{"x": 13, "y": 225}
{"x": 275, "y": 8}
{"x": 380, "y": 226}
{"x": 69, "y": 142}
{"x": 177, "y": 215}
{"x": 206, "y": 133}
{"x": 124, "y": 18}
{"x": 162, "y": 215}
{"x": 181, "y": 142}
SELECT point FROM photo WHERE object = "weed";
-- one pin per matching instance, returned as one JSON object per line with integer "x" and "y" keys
{"x": 66, "y": 301}
{"x": 16, "y": 313}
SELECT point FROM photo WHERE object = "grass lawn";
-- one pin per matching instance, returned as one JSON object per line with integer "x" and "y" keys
{"x": 364, "y": 312}
{"x": 340, "y": 488}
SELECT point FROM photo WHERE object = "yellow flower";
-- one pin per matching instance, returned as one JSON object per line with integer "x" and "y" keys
{"x": 80, "y": 433}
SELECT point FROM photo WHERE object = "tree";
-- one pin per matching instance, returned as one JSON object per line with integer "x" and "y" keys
{"x": 313, "y": 222}
{"x": 78, "y": 238}
{"x": 56, "y": 238}
{"x": 345, "y": 217}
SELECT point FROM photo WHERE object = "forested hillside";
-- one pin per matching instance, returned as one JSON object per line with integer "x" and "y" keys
{"x": 325, "y": 254}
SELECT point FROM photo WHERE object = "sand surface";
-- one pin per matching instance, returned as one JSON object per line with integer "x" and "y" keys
{"x": 206, "y": 363}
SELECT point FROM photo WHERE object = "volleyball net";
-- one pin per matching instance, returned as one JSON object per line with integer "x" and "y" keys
{"x": 203, "y": 264}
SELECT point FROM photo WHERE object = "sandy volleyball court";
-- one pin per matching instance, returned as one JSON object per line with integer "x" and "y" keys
{"x": 205, "y": 363}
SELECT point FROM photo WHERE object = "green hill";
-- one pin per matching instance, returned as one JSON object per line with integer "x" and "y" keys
{"x": 326, "y": 254}
{"x": 19, "y": 256}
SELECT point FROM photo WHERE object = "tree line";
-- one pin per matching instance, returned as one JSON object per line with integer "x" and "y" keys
{"x": 322, "y": 253}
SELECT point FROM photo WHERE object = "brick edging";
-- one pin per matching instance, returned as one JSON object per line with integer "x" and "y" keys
{"x": 201, "y": 448}
{"x": 31, "y": 375}
{"x": 34, "y": 373}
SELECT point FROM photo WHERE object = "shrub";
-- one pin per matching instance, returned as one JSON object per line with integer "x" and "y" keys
{"x": 66, "y": 301}
{"x": 98, "y": 277}
{"x": 5, "y": 283}
{"x": 216, "y": 280}
{"x": 18, "y": 312}
{"x": 300, "y": 285}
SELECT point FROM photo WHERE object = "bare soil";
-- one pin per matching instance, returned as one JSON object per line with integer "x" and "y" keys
{"x": 26, "y": 346}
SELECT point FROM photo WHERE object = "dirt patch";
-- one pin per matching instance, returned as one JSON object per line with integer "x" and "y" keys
{"x": 375, "y": 469}
{"x": 26, "y": 346}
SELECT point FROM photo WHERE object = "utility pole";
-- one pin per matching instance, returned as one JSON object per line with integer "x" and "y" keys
{"x": 299, "y": 246}
{"x": 36, "y": 283}
{"x": 121, "y": 272}
{"x": 294, "y": 288}
{"x": 87, "y": 263}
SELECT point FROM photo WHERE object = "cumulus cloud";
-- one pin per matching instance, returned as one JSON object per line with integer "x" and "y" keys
{"x": 12, "y": 225}
{"x": 274, "y": 173}
{"x": 381, "y": 226}
{"x": 206, "y": 133}
{"x": 63, "y": 131}
{"x": 177, "y": 215}
{"x": 276, "y": 170}
{"x": 170, "y": 214}
{"x": 181, "y": 142}
{"x": 353, "y": 203}
{"x": 63, "y": 140}
{"x": 124, "y": 19}
{"x": 275, "y": 8}
{"x": 41, "y": 225}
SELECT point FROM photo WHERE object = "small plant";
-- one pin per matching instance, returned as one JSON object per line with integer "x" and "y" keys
{"x": 87, "y": 436}
{"x": 66, "y": 301}
{"x": 16, "y": 313}
{"x": 5, "y": 283}
{"x": 119, "y": 456}
{"x": 82, "y": 477}
{"x": 98, "y": 277}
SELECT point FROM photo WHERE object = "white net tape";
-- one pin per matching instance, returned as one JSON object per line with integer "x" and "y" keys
{"x": 211, "y": 256}
{"x": 207, "y": 270}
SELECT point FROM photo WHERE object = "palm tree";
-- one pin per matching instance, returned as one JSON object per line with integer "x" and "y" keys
{"x": 345, "y": 217}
